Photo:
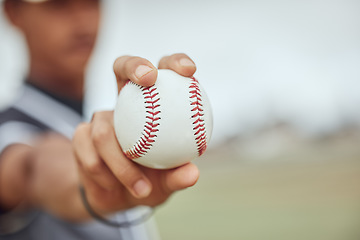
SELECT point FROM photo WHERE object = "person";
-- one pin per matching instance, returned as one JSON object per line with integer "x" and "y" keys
{"x": 47, "y": 151}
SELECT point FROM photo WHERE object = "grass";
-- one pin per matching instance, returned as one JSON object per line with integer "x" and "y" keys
{"x": 312, "y": 193}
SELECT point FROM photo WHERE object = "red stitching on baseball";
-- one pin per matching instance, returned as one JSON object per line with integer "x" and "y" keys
{"x": 151, "y": 125}
{"x": 199, "y": 125}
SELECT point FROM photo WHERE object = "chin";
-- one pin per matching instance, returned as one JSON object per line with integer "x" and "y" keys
{"x": 78, "y": 64}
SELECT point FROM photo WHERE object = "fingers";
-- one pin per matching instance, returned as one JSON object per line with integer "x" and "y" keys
{"x": 126, "y": 171}
{"x": 114, "y": 182}
{"x": 179, "y": 63}
{"x": 166, "y": 182}
{"x": 136, "y": 69}
{"x": 181, "y": 178}
{"x": 102, "y": 160}
{"x": 143, "y": 72}
{"x": 89, "y": 161}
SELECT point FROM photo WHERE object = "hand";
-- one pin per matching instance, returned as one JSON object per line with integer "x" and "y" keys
{"x": 14, "y": 175}
{"x": 43, "y": 175}
{"x": 53, "y": 182}
{"x": 111, "y": 181}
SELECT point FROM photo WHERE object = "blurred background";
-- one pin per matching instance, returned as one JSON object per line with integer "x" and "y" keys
{"x": 283, "y": 78}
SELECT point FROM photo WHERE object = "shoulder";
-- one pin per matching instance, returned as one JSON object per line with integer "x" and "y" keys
{"x": 35, "y": 112}
{"x": 12, "y": 115}
{"x": 18, "y": 127}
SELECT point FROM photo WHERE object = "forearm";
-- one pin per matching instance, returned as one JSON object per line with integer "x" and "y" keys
{"x": 14, "y": 175}
{"x": 22, "y": 180}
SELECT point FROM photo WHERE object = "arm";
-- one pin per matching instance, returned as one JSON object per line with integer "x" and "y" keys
{"x": 43, "y": 175}
{"x": 14, "y": 173}
{"x": 94, "y": 158}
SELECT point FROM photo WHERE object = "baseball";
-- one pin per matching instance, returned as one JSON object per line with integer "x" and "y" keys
{"x": 166, "y": 125}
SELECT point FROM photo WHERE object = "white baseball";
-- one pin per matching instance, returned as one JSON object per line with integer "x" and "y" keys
{"x": 166, "y": 125}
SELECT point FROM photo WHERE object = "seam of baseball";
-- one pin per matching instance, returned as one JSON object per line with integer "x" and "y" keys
{"x": 151, "y": 124}
{"x": 199, "y": 122}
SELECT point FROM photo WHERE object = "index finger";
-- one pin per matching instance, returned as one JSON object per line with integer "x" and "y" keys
{"x": 179, "y": 63}
{"x": 135, "y": 69}
{"x": 106, "y": 144}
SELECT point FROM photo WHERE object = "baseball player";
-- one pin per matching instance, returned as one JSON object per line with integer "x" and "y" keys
{"x": 62, "y": 178}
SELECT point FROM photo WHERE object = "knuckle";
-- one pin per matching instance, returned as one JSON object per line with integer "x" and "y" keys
{"x": 116, "y": 62}
{"x": 127, "y": 67}
{"x": 94, "y": 168}
{"x": 82, "y": 128}
{"x": 164, "y": 58}
{"x": 119, "y": 62}
{"x": 102, "y": 133}
{"x": 131, "y": 63}
{"x": 163, "y": 61}
{"x": 179, "y": 55}
{"x": 122, "y": 173}
{"x": 101, "y": 115}
{"x": 127, "y": 175}
{"x": 96, "y": 115}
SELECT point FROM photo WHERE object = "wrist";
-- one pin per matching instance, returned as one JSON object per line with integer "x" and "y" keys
{"x": 102, "y": 219}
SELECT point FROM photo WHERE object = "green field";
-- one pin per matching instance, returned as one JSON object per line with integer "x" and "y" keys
{"x": 309, "y": 192}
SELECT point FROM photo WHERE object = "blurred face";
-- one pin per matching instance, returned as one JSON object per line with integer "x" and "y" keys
{"x": 60, "y": 33}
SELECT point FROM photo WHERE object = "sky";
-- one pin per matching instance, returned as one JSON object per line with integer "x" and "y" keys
{"x": 261, "y": 62}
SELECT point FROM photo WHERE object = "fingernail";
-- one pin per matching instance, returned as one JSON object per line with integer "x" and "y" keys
{"x": 142, "y": 188}
{"x": 142, "y": 70}
{"x": 185, "y": 62}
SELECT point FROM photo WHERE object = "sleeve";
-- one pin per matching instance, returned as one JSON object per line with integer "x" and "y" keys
{"x": 2, "y": 211}
{"x": 17, "y": 132}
